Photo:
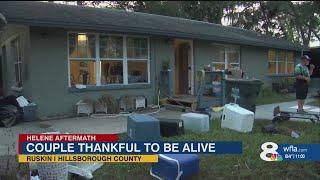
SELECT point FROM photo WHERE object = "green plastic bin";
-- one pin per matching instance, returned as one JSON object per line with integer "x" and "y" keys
{"x": 249, "y": 90}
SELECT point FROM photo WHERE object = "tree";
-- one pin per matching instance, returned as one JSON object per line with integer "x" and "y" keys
{"x": 296, "y": 21}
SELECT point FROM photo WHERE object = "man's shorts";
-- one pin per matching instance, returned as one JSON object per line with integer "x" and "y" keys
{"x": 301, "y": 89}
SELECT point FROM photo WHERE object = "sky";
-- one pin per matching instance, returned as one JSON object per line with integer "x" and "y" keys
{"x": 223, "y": 21}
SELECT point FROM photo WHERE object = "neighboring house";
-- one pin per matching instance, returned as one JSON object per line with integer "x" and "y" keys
{"x": 48, "y": 48}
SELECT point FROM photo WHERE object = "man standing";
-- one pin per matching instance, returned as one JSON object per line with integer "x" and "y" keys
{"x": 302, "y": 74}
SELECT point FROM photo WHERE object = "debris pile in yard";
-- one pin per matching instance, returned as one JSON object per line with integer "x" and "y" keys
{"x": 14, "y": 109}
{"x": 274, "y": 129}
{"x": 10, "y": 111}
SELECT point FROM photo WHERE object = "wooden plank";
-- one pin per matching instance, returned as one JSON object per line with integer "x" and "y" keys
{"x": 185, "y": 102}
{"x": 174, "y": 107}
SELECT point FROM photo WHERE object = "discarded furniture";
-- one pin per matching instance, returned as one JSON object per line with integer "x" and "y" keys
{"x": 143, "y": 128}
{"x": 171, "y": 127}
{"x": 196, "y": 122}
{"x": 141, "y": 102}
{"x": 210, "y": 89}
{"x": 127, "y": 103}
{"x": 84, "y": 107}
{"x": 281, "y": 116}
{"x": 175, "y": 166}
{"x": 107, "y": 104}
{"x": 237, "y": 118}
{"x": 183, "y": 102}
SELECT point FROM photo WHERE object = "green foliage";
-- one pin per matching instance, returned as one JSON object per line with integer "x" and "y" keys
{"x": 266, "y": 91}
{"x": 297, "y": 21}
{"x": 165, "y": 64}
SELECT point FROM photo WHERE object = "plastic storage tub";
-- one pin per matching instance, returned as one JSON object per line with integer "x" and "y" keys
{"x": 175, "y": 166}
{"x": 171, "y": 127}
{"x": 143, "y": 128}
{"x": 30, "y": 112}
{"x": 196, "y": 122}
{"x": 237, "y": 118}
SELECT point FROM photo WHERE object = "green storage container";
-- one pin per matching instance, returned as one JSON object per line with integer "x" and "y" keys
{"x": 249, "y": 90}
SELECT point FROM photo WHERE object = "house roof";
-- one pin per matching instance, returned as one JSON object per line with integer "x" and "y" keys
{"x": 68, "y": 16}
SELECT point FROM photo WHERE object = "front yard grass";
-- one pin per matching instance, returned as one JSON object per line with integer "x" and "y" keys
{"x": 245, "y": 166}
{"x": 274, "y": 97}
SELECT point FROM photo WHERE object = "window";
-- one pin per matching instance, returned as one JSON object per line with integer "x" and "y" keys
{"x": 280, "y": 62}
{"x": 17, "y": 59}
{"x": 82, "y": 59}
{"x": 290, "y": 62}
{"x": 137, "y": 60}
{"x": 226, "y": 56}
{"x": 137, "y": 48}
{"x": 98, "y": 59}
{"x": 112, "y": 59}
{"x": 219, "y": 60}
{"x": 233, "y": 56}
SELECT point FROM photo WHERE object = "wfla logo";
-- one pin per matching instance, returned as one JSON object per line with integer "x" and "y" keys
{"x": 269, "y": 152}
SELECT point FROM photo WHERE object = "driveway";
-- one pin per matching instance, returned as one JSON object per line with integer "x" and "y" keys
{"x": 266, "y": 111}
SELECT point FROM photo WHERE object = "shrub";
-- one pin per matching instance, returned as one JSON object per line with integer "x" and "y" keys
{"x": 266, "y": 91}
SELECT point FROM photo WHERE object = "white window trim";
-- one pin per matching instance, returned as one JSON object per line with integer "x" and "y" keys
{"x": 17, "y": 61}
{"x": 226, "y": 58}
{"x": 98, "y": 60}
{"x": 277, "y": 62}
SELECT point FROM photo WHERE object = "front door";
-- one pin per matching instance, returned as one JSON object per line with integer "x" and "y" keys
{"x": 183, "y": 67}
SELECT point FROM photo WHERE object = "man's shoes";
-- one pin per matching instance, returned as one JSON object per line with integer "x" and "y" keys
{"x": 301, "y": 111}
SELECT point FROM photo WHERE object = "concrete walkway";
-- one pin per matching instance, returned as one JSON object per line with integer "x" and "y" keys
{"x": 110, "y": 125}
{"x": 266, "y": 111}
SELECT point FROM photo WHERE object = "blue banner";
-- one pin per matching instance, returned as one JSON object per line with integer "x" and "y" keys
{"x": 299, "y": 152}
{"x": 204, "y": 147}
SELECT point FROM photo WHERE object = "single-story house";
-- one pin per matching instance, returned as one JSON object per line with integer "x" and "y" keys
{"x": 48, "y": 50}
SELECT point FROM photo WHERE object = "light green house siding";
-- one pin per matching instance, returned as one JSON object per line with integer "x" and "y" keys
{"x": 10, "y": 33}
{"x": 254, "y": 63}
{"x": 45, "y": 80}
{"x": 253, "y": 60}
{"x": 49, "y": 73}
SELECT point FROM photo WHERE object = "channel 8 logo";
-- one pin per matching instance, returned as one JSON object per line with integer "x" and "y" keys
{"x": 269, "y": 152}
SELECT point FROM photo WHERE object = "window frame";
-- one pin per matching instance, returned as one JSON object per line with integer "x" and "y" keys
{"x": 19, "y": 62}
{"x": 277, "y": 61}
{"x": 226, "y": 50}
{"x": 98, "y": 59}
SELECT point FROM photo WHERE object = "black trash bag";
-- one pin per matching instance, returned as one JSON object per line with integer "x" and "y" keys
{"x": 9, "y": 115}
{"x": 270, "y": 128}
{"x": 12, "y": 100}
